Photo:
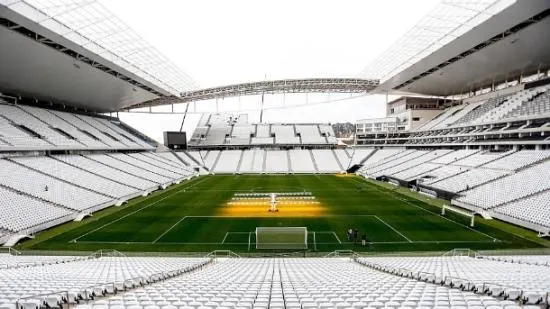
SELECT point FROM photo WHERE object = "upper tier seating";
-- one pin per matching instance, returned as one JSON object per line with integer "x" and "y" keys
{"x": 518, "y": 160}
{"x": 284, "y": 134}
{"x": 539, "y": 105}
{"x": 22, "y": 118}
{"x": 511, "y": 103}
{"x": 441, "y": 120}
{"x": 55, "y": 122}
{"x": 480, "y": 110}
{"x": 458, "y": 113}
{"x": 310, "y": 134}
{"x": 241, "y": 134}
{"x": 31, "y": 128}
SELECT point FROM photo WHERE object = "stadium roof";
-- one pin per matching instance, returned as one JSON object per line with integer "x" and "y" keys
{"x": 89, "y": 24}
{"x": 447, "y": 21}
{"x": 98, "y": 63}
{"x": 504, "y": 47}
{"x": 310, "y": 85}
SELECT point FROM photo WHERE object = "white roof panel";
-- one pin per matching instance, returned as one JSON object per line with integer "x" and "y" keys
{"x": 89, "y": 24}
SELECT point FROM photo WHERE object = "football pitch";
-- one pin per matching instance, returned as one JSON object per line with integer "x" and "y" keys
{"x": 220, "y": 212}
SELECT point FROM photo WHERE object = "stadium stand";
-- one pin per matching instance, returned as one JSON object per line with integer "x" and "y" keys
{"x": 301, "y": 161}
{"x": 228, "y": 161}
{"x": 276, "y": 161}
{"x": 513, "y": 281}
{"x": 482, "y": 144}
{"x": 285, "y": 134}
{"x": 128, "y": 282}
{"x": 73, "y": 282}
{"x": 531, "y": 183}
{"x": 326, "y": 161}
{"x": 108, "y": 172}
{"x": 343, "y": 157}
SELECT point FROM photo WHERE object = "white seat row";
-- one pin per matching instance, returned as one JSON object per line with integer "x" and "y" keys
{"x": 77, "y": 176}
{"x": 81, "y": 279}
{"x": 20, "y": 212}
{"x": 534, "y": 209}
{"x": 48, "y": 188}
{"x": 476, "y": 274}
{"x": 28, "y": 128}
{"x": 295, "y": 283}
{"x": 532, "y": 180}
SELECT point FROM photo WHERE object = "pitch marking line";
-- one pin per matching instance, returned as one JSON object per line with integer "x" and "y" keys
{"x": 223, "y": 240}
{"x": 319, "y": 243}
{"x": 407, "y": 202}
{"x": 336, "y": 236}
{"x": 394, "y": 229}
{"x": 169, "y": 229}
{"x": 138, "y": 210}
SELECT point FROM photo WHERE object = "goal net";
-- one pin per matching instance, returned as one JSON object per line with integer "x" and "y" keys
{"x": 281, "y": 238}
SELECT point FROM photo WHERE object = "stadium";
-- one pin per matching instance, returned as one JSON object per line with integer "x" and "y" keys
{"x": 444, "y": 202}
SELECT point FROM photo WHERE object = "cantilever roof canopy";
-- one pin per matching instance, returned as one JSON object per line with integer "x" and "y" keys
{"x": 89, "y": 24}
{"x": 444, "y": 23}
{"x": 505, "y": 46}
{"x": 77, "y": 53}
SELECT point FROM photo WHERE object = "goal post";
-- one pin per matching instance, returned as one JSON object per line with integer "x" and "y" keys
{"x": 281, "y": 238}
{"x": 465, "y": 213}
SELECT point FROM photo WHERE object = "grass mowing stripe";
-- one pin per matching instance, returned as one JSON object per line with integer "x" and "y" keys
{"x": 394, "y": 229}
{"x": 138, "y": 210}
{"x": 347, "y": 201}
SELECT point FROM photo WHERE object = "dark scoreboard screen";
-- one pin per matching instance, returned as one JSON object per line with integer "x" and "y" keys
{"x": 175, "y": 140}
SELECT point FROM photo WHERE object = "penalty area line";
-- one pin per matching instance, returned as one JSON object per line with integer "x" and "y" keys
{"x": 137, "y": 210}
{"x": 433, "y": 213}
{"x": 336, "y": 236}
{"x": 394, "y": 229}
{"x": 169, "y": 229}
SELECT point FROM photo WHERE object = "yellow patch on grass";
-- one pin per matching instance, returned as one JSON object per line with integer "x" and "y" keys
{"x": 260, "y": 208}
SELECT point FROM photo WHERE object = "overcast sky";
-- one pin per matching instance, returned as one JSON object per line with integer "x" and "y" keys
{"x": 220, "y": 42}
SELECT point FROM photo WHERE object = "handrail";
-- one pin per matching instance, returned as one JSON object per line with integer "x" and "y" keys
{"x": 224, "y": 253}
{"x": 337, "y": 253}
{"x": 65, "y": 292}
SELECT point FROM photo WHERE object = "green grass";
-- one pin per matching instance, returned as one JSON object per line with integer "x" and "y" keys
{"x": 186, "y": 218}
